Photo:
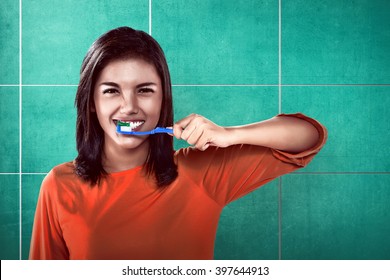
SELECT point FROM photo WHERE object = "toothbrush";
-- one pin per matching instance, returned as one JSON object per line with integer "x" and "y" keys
{"x": 124, "y": 128}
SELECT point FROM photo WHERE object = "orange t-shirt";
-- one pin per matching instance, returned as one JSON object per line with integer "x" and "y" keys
{"x": 128, "y": 217}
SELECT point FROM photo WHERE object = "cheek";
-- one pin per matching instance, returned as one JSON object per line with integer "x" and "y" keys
{"x": 157, "y": 109}
{"x": 103, "y": 110}
{"x": 153, "y": 107}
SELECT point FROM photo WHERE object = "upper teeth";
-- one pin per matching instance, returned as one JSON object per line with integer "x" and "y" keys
{"x": 133, "y": 125}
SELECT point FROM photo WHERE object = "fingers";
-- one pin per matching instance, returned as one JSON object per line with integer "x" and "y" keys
{"x": 182, "y": 128}
{"x": 190, "y": 132}
{"x": 195, "y": 130}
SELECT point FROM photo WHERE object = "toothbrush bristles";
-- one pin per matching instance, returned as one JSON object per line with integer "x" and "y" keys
{"x": 123, "y": 123}
{"x": 125, "y": 128}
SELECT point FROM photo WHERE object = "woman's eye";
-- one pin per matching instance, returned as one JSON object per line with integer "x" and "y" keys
{"x": 110, "y": 91}
{"x": 145, "y": 90}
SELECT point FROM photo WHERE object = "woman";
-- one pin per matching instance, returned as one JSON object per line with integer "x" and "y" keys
{"x": 133, "y": 197}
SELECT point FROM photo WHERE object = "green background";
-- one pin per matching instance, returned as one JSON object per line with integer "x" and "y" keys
{"x": 224, "y": 60}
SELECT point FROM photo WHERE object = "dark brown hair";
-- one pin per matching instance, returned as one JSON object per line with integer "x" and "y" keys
{"x": 122, "y": 43}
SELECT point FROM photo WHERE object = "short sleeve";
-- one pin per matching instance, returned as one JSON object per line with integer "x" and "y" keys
{"x": 227, "y": 174}
{"x": 46, "y": 240}
{"x": 303, "y": 158}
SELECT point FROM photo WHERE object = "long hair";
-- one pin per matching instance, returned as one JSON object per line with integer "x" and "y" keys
{"x": 121, "y": 43}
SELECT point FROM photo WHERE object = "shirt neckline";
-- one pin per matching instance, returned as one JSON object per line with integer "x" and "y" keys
{"x": 125, "y": 172}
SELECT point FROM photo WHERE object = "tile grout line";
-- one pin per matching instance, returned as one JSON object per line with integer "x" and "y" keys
{"x": 280, "y": 111}
{"x": 280, "y": 218}
{"x": 150, "y": 17}
{"x": 53, "y": 85}
{"x": 224, "y": 85}
{"x": 294, "y": 173}
{"x": 335, "y": 85}
{"x": 23, "y": 173}
{"x": 218, "y": 85}
{"x": 20, "y": 130}
{"x": 280, "y": 56}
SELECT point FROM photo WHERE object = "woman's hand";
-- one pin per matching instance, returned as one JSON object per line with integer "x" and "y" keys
{"x": 201, "y": 132}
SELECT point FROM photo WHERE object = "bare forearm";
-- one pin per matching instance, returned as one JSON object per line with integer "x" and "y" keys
{"x": 284, "y": 133}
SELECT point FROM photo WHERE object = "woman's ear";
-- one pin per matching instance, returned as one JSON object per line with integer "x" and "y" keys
{"x": 92, "y": 108}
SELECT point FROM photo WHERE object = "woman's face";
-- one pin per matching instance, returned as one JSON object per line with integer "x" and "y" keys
{"x": 128, "y": 90}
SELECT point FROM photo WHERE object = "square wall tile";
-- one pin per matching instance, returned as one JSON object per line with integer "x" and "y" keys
{"x": 9, "y": 123}
{"x": 9, "y": 217}
{"x": 345, "y": 216}
{"x": 219, "y": 42}
{"x": 336, "y": 42}
{"x": 30, "y": 192}
{"x": 49, "y": 127}
{"x": 248, "y": 228}
{"x": 57, "y": 34}
{"x": 9, "y": 43}
{"x": 357, "y": 123}
{"x": 225, "y": 106}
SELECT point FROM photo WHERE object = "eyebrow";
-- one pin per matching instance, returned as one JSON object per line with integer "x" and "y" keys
{"x": 112, "y": 84}
{"x": 146, "y": 84}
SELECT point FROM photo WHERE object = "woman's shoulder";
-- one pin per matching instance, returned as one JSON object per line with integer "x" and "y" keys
{"x": 61, "y": 185}
{"x": 191, "y": 155}
{"x": 64, "y": 170}
{"x": 61, "y": 174}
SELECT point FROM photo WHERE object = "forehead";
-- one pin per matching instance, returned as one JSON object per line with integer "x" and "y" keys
{"x": 129, "y": 70}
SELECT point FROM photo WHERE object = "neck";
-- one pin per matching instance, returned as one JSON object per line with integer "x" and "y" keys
{"x": 116, "y": 159}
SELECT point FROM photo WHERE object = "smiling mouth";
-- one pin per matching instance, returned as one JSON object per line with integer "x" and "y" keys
{"x": 128, "y": 125}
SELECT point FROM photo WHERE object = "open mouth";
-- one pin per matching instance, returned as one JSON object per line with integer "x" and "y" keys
{"x": 128, "y": 125}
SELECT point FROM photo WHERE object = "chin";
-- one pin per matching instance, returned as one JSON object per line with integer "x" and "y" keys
{"x": 131, "y": 142}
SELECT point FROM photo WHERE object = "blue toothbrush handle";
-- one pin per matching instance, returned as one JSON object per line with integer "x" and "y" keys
{"x": 153, "y": 131}
{"x": 162, "y": 130}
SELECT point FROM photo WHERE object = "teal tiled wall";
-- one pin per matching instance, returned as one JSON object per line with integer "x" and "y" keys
{"x": 230, "y": 63}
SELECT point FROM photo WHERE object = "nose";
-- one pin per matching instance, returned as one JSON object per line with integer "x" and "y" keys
{"x": 129, "y": 104}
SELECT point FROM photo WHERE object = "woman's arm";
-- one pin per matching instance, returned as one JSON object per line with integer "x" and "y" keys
{"x": 47, "y": 242}
{"x": 286, "y": 133}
